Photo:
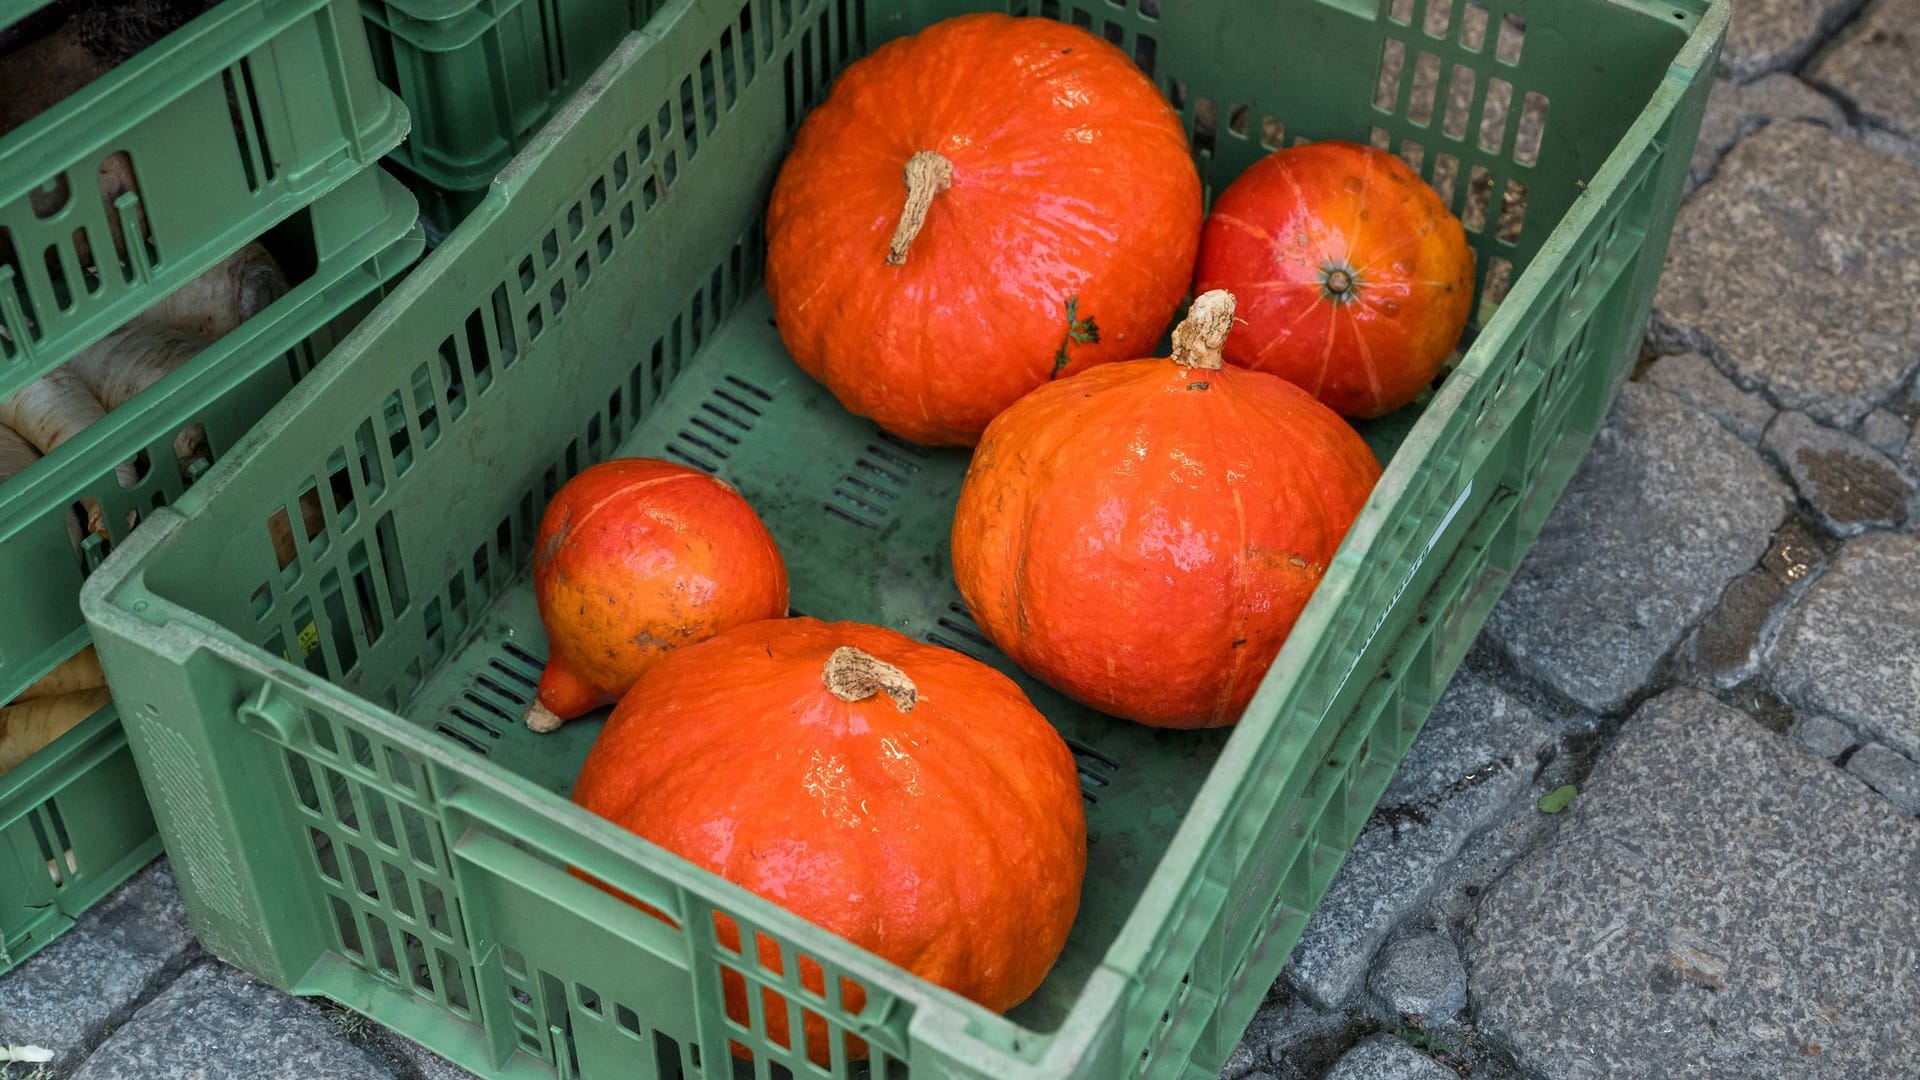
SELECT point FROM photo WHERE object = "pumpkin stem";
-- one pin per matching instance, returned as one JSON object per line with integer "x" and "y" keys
{"x": 852, "y": 675}
{"x": 542, "y": 719}
{"x": 1198, "y": 339}
{"x": 928, "y": 174}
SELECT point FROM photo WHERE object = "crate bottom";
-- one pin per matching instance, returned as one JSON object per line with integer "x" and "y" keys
{"x": 862, "y": 519}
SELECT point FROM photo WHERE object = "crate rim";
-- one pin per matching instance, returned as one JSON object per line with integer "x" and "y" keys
{"x": 107, "y": 106}
{"x": 115, "y": 597}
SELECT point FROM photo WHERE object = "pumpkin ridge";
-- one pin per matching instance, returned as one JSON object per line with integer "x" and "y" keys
{"x": 1366, "y": 354}
{"x": 1241, "y": 579}
{"x": 1311, "y": 473}
{"x": 1009, "y": 897}
{"x": 574, "y": 522}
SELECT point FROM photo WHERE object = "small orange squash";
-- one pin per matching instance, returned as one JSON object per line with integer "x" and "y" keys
{"x": 975, "y": 209}
{"x": 635, "y": 557}
{"x": 1143, "y": 535}
{"x": 903, "y": 796}
{"x": 1353, "y": 279}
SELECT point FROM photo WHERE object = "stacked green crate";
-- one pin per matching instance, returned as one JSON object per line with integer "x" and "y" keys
{"x": 254, "y": 121}
{"x": 481, "y": 77}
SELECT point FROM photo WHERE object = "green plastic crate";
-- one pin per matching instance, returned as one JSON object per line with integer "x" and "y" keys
{"x": 369, "y": 822}
{"x": 73, "y": 820}
{"x": 232, "y": 122}
{"x": 482, "y": 76}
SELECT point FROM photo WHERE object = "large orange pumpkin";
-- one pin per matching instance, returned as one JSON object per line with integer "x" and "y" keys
{"x": 976, "y": 209}
{"x": 1353, "y": 279}
{"x": 903, "y": 796}
{"x": 637, "y": 556}
{"x": 1143, "y": 535}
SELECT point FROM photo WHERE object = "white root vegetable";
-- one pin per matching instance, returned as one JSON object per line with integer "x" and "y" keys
{"x": 38, "y": 76}
{"x": 16, "y": 454}
{"x": 130, "y": 359}
{"x": 26, "y": 728}
{"x": 211, "y": 305}
{"x": 54, "y": 408}
{"x": 76, "y": 673}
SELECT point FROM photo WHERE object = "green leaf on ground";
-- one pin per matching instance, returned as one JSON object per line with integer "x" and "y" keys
{"x": 1558, "y": 799}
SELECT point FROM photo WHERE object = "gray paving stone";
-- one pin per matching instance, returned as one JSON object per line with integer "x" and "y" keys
{"x": 1384, "y": 1057}
{"x": 430, "y": 1065}
{"x": 65, "y": 996}
{"x": 1847, "y": 649}
{"x": 1876, "y": 63}
{"x": 1886, "y": 432}
{"x": 1665, "y": 511}
{"x": 1717, "y": 905}
{"x": 1697, "y": 382}
{"x": 1795, "y": 554}
{"x": 1727, "y": 645}
{"x": 1825, "y": 737}
{"x": 1773, "y": 35}
{"x": 218, "y": 1023}
{"x": 1420, "y": 979}
{"x": 1796, "y": 216}
{"x": 1475, "y": 757}
{"x": 1889, "y": 774}
{"x": 1736, "y": 110}
{"x": 1288, "y": 1039}
{"x": 1892, "y": 144}
{"x": 1852, "y": 486}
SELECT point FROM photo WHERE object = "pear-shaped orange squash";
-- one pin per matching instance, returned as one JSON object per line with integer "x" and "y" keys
{"x": 1353, "y": 279}
{"x": 635, "y": 557}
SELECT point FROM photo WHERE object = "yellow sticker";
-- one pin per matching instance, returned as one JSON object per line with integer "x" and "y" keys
{"x": 309, "y": 640}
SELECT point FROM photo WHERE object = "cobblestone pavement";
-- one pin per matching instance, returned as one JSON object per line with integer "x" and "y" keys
{"x": 1715, "y": 647}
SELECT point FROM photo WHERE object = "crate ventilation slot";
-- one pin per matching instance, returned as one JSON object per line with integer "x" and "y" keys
{"x": 956, "y": 630}
{"x": 1095, "y": 768}
{"x": 716, "y": 426}
{"x": 494, "y": 701}
{"x": 865, "y": 495}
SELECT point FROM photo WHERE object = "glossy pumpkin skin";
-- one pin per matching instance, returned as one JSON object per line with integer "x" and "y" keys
{"x": 949, "y": 839}
{"x": 636, "y": 557}
{"x": 1353, "y": 279}
{"x": 1071, "y": 184}
{"x": 1143, "y": 536}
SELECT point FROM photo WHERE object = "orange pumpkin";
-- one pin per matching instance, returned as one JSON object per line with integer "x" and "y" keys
{"x": 976, "y": 209}
{"x": 903, "y": 796}
{"x": 1353, "y": 279}
{"x": 1142, "y": 536}
{"x": 636, "y": 557}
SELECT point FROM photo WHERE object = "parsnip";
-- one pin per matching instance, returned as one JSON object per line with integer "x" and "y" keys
{"x": 78, "y": 672}
{"x": 211, "y": 305}
{"x": 27, "y": 728}
{"x": 40, "y": 75}
{"x": 55, "y": 408}
{"x": 129, "y": 360}
{"x": 87, "y": 518}
{"x": 52, "y": 409}
{"x": 311, "y": 520}
{"x": 16, "y": 454}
